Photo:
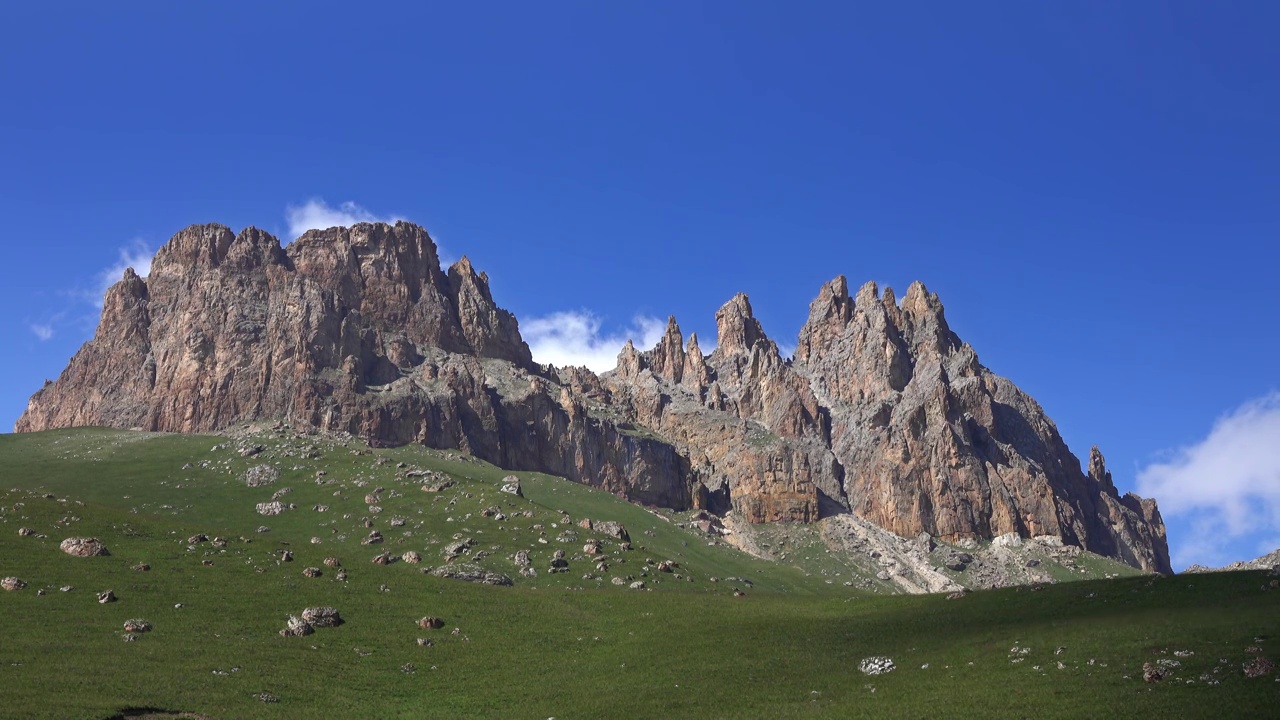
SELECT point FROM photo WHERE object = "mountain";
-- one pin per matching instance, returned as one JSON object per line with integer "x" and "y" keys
{"x": 1270, "y": 561}
{"x": 883, "y": 412}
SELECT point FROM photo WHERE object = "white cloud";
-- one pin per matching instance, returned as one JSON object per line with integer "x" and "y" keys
{"x": 568, "y": 339}
{"x": 316, "y": 214}
{"x": 136, "y": 255}
{"x": 44, "y": 331}
{"x": 1227, "y": 486}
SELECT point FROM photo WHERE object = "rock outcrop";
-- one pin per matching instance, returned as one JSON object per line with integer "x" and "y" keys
{"x": 348, "y": 329}
{"x": 883, "y": 412}
{"x": 934, "y": 442}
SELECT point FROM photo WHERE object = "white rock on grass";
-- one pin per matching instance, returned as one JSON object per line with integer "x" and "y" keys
{"x": 876, "y": 665}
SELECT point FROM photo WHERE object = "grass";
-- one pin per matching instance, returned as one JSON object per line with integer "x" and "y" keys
{"x": 552, "y": 646}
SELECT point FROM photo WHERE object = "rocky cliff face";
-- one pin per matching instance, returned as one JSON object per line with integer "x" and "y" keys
{"x": 883, "y": 412}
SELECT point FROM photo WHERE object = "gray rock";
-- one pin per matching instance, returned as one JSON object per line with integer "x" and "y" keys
{"x": 511, "y": 486}
{"x": 471, "y": 573}
{"x": 260, "y": 475}
{"x": 322, "y": 616}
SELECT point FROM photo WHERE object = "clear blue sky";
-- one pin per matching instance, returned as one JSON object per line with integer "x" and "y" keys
{"x": 1092, "y": 188}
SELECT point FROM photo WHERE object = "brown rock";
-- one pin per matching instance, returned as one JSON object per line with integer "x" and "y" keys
{"x": 105, "y": 597}
{"x": 430, "y": 623}
{"x": 11, "y": 584}
{"x": 137, "y": 625}
{"x": 332, "y": 562}
{"x": 883, "y": 411}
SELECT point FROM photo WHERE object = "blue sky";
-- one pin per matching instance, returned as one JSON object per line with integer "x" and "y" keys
{"x": 1092, "y": 188}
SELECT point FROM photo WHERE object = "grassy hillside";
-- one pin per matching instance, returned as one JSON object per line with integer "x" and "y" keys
{"x": 555, "y": 645}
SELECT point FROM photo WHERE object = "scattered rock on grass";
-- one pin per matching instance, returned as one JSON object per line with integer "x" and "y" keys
{"x": 383, "y": 559}
{"x": 26, "y": 532}
{"x": 296, "y": 627}
{"x": 137, "y": 625}
{"x": 12, "y": 583}
{"x": 511, "y": 486}
{"x": 141, "y": 567}
{"x": 471, "y": 573}
{"x": 1152, "y": 673}
{"x": 83, "y": 547}
{"x": 311, "y": 572}
{"x": 260, "y": 475}
{"x": 430, "y": 623}
{"x": 411, "y": 557}
{"x": 1259, "y": 667}
{"x": 275, "y": 507}
{"x": 322, "y": 616}
{"x": 876, "y": 665}
{"x": 105, "y": 597}
{"x": 332, "y": 562}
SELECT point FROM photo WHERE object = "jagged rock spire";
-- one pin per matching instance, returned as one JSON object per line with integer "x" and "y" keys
{"x": 737, "y": 327}
{"x": 668, "y": 357}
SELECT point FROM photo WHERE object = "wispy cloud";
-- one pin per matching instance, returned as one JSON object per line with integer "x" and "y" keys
{"x": 316, "y": 214}
{"x": 568, "y": 339}
{"x": 1227, "y": 486}
{"x": 43, "y": 331}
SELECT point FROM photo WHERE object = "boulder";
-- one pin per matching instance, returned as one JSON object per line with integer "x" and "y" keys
{"x": 106, "y": 596}
{"x": 612, "y": 529}
{"x": 275, "y": 507}
{"x": 296, "y": 627}
{"x": 511, "y": 486}
{"x": 137, "y": 625}
{"x": 430, "y": 623}
{"x": 12, "y": 583}
{"x": 83, "y": 547}
{"x": 322, "y": 616}
{"x": 260, "y": 475}
{"x": 471, "y": 573}
{"x": 411, "y": 557}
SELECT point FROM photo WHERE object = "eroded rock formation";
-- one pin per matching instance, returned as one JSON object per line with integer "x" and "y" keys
{"x": 883, "y": 412}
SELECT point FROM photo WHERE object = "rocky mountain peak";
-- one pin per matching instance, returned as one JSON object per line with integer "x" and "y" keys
{"x": 668, "y": 358}
{"x": 1098, "y": 470}
{"x": 696, "y": 373}
{"x": 737, "y": 328}
{"x": 882, "y": 413}
{"x": 193, "y": 247}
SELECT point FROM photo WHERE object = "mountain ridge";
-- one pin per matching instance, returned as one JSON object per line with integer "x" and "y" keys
{"x": 882, "y": 412}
